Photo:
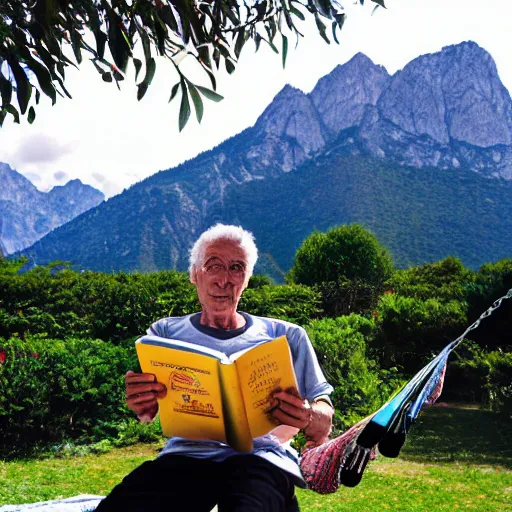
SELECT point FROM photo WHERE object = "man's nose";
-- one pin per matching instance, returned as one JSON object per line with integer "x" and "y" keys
{"x": 223, "y": 279}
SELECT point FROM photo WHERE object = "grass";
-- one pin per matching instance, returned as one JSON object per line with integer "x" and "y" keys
{"x": 455, "y": 458}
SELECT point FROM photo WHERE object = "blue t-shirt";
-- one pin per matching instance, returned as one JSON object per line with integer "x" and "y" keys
{"x": 310, "y": 379}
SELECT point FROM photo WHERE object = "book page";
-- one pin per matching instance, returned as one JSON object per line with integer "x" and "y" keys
{"x": 192, "y": 407}
{"x": 262, "y": 370}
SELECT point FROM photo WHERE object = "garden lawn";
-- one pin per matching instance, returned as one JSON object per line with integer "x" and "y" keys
{"x": 455, "y": 458}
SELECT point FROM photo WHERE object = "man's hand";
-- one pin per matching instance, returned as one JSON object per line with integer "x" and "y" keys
{"x": 142, "y": 391}
{"x": 314, "y": 419}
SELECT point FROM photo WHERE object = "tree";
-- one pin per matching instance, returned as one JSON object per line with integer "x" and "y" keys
{"x": 35, "y": 37}
{"x": 347, "y": 264}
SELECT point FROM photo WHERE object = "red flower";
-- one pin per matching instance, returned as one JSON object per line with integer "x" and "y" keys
{"x": 36, "y": 355}
{"x": 2, "y": 356}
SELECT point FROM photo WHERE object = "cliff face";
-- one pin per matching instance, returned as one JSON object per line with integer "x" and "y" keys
{"x": 448, "y": 109}
{"x": 26, "y": 214}
{"x": 445, "y": 111}
{"x": 342, "y": 96}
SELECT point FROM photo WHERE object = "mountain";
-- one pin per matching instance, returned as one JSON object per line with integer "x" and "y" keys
{"x": 421, "y": 157}
{"x": 27, "y": 214}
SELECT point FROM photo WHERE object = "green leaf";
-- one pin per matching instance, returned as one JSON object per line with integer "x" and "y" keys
{"x": 107, "y": 77}
{"x": 14, "y": 112}
{"x": 167, "y": 16}
{"x": 5, "y": 89}
{"x": 138, "y": 65}
{"x": 23, "y": 87}
{"x": 38, "y": 96}
{"x": 230, "y": 67}
{"x": 325, "y": 7}
{"x": 211, "y": 95}
{"x": 198, "y": 102}
{"x": 240, "y": 41}
{"x": 150, "y": 73}
{"x": 184, "y": 107}
{"x": 101, "y": 39}
{"x": 42, "y": 74}
{"x": 321, "y": 29}
{"x": 61, "y": 83}
{"x": 297, "y": 13}
{"x": 380, "y": 2}
{"x": 76, "y": 43}
{"x": 141, "y": 91}
{"x": 285, "y": 49}
{"x": 31, "y": 115}
{"x": 257, "y": 41}
{"x": 174, "y": 91}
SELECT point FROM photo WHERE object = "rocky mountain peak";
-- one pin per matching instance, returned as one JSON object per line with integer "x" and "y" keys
{"x": 293, "y": 118}
{"x": 27, "y": 214}
{"x": 454, "y": 94}
{"x": 341, "y": 96}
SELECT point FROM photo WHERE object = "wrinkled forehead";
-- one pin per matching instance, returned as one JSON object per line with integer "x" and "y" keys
{"x": 225, "y": 250}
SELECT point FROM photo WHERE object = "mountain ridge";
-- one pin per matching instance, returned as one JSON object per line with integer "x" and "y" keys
{"x": 27, "y": 214}
{"x": 343, "y": 117}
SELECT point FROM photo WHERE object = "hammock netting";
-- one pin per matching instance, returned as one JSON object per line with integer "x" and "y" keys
{"x": 342, "y": 461}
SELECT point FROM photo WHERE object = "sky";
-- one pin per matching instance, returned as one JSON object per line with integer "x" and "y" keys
{"x": 107, "y": 139}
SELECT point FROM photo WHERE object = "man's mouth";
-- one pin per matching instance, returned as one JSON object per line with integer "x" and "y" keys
{"x": 221, "y": 297}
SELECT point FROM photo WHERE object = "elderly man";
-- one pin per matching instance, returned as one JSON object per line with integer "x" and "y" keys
{"x": 201, "y": 474}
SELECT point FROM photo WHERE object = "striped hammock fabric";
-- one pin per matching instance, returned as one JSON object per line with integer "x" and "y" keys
{"x": 342, "y": 461}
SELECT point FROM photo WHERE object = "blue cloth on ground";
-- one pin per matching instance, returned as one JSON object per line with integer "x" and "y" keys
{"x": 81, "y": 503}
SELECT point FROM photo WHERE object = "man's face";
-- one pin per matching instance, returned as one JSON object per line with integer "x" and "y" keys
{"x": 221, "y": 277}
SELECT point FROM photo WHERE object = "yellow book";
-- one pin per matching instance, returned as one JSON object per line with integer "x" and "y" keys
{"x": 213, "y": 396}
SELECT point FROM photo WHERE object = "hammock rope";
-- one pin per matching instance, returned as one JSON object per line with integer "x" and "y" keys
{"x": 342, "y": 461}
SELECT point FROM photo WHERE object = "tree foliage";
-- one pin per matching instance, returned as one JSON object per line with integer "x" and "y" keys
{"x": 35, "y": 38}
{"x": 347, "y": 264}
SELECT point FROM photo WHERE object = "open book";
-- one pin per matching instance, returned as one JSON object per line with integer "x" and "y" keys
{"x": 213, "y": 396}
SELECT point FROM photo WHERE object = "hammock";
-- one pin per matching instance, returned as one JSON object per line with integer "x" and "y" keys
{"x": 342, "y": 461}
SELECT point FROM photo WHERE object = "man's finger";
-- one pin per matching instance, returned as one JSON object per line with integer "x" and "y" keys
{"x": 300, "y": 413}
{"x": 133, "y": 389}
{"x": 132, "y": 377}
{"x": 286, "y": 419}
{"x": 140, "y": 398}
{"x": 294, "y": 400}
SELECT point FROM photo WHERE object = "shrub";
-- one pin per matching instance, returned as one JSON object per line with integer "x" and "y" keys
{"x": 347, "y": 251}
{"x": 293, "y": 303}
{"x": 481, "y": 376}
{"x": 492, "y": 281}
{"x": 445, "y": 280}
{"x": 360, "y": 387}
{"x": 54, "y": 390}
{"x": 347, "y": 265}
{"x": 412, "y": 331}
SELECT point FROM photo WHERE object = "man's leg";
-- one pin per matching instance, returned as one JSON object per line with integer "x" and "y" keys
{"x": 164, "y": 484}
{"x": 254, "y": 485}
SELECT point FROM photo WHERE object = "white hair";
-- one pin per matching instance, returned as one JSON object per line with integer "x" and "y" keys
{"x": 244, "y": 238}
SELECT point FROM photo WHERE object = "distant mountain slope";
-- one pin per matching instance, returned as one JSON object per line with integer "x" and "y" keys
{"x": 26, "y": 214}
{"x": 425, "y": 154}
{"x": 421, "y": 215}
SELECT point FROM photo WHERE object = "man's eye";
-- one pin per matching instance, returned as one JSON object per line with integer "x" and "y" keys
{"x": 215, "y": 267}
{"x": 237, "y": 268}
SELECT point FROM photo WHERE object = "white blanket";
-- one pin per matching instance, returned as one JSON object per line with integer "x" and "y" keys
{"x": 82, "y": 503}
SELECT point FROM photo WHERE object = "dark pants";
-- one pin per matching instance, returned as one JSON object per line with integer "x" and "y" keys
{"x": 175, "y": 482}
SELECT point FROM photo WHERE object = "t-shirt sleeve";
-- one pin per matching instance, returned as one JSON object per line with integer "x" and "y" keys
{"x": 157, "y": 328}
{"x": 310, "y": 377}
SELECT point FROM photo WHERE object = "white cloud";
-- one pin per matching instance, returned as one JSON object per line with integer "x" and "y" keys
{"x": 98, "y": 177}
{"x": 61, "y": 176}
{"x": 40, "y": 149}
